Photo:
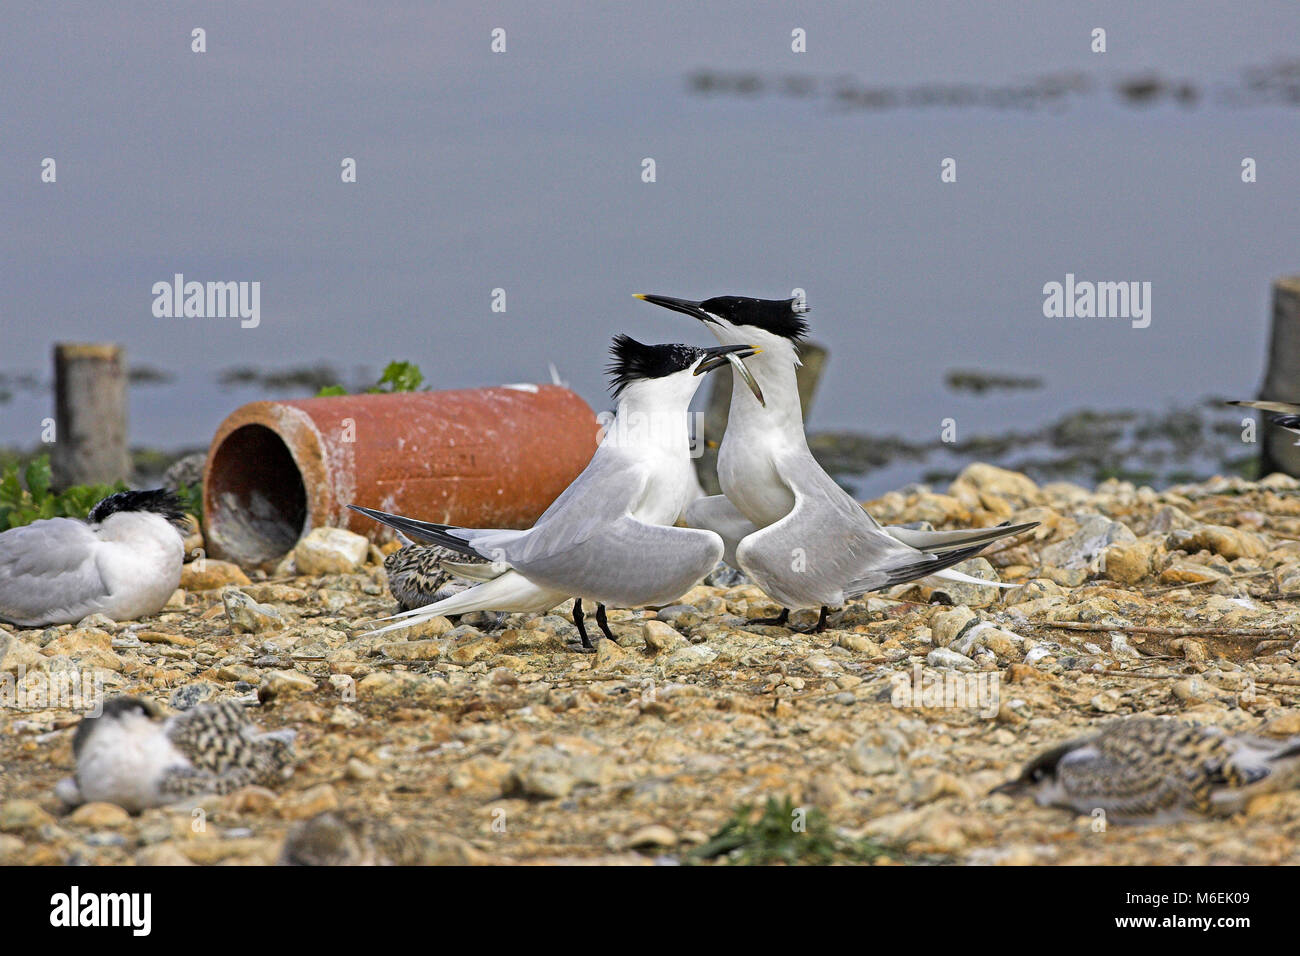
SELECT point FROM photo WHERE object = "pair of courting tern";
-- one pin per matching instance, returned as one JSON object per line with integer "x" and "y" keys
{"x": 609, "y": 537}
{"x": 785, "y": 522}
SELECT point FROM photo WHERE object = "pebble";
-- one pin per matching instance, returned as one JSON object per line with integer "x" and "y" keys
{"x": 246, "y": 615}
{"x": 330, "y": 551}
{"x": 99, "y": 815}
{"x": 209, "y": 574}
{"x": 943, "y": 657}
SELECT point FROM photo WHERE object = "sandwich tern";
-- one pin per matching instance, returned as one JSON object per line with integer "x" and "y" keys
{"x": 786, "y": 523}
{"x": 1152, "y": 770}
{"x": 608, "y": 538}
{"x": 123, "y": 561}
{"x": 134, "y": 757}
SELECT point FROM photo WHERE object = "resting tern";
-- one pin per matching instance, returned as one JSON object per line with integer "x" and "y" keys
{"x": 134, "y": 757}
{"x": 785, "y": 521}
{"x": 1153, "y": 770}
{"x": 123, "y": 561}
{"x": 608, "y": 537}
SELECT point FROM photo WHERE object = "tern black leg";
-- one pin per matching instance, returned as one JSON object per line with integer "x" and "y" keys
{"x": 604, "y": 624}
{"x": 577, "y": 622}
{"x": 781, "y": 620}
{"x": 820, "y": 625}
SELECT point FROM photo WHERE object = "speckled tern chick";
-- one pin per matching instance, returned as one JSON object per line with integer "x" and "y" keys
{"x": 123, "y": 561}
{"x": 416, "y": 572}
{"x": 134, "y": 757}
{"x": 1153, "y": 770}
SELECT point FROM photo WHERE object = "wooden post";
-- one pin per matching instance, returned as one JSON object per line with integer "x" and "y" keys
{"x": 715, "y": 414}
{"x": 89, "y": 415}
{"x": 1278, "y": 451}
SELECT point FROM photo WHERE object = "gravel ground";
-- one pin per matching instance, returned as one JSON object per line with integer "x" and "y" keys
{"x": 506, "y": 744}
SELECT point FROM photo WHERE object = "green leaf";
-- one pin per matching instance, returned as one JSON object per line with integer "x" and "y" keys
{"x": 329, "y": 390}
{"x": 401, "y": 376}
{"x": 38, "y": 478}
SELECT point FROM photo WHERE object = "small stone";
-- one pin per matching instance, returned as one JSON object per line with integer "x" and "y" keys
{"x": 946, "y": 626}
{"x": 19, "y": 815}
{"x": 284, "y": 684}
{"x": 331, "y": 551}
{"x": 1128, "y": 563}
{"x": 208, "y": 575}
{"x": 963, "y": 592}
{"x": 161, "y": 637}
{"x": 545, "y": 774}
{"x": 1228, "y": 543}
{"x": 1193, "y": 690}
{"x": 389, "y": 684}
{"x": 412, "y": 650}
{"x": 689, "y": 658}
{"x": 943, "y": 657}
{"x": 1084, "y": 548}
{"x": 108, "y": 815}
{"x": 1107, "y": 702}
{"x": 660, "y": 637}
{"x": 654, "y": 835}
{"x": 251, "y": 799}
{"x": 189, "y": 695}
{"x": 609, "y": 654}
{"x": 19, "y": 656}
{"x": 359, "y": 770}
{"x": 1288, "y": 725}
{"x": 246, "y": 615}
{"x": 318, "y": 799}
{"x": 481, "y": 777}
{"x": 858, "y": 643}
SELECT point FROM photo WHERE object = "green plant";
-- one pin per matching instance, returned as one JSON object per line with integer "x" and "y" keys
{"x": 782, "y": 833}
{"x": 25, "y": 495}
{"x": 191, "y": 497}
{"x": 397, "y": 377}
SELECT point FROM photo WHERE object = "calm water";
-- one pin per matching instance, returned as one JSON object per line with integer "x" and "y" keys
{"x": 775, "y": 170}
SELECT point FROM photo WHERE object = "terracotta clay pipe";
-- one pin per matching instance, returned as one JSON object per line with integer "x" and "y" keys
{"x": 484, "y": 457}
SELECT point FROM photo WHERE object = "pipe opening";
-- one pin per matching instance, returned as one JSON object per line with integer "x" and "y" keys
{"x": 256, "y": 497}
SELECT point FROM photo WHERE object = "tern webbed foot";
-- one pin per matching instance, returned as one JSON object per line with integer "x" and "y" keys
{"x": 781, "y": 620}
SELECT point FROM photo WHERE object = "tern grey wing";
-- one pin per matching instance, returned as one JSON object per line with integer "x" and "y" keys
{"x": 608, "y": 489}
{"x": 627, "y": 563}
{"x": 826, "y": 543}
{"x": 48, "y": 572}
{"x": 717, "y": 514}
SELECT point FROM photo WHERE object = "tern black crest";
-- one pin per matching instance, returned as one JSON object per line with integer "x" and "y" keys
{"x": 633, "y": 361}
{"x": 782, "y": 317}
{"x": 1043, "y": 767}
{"x": 112, "y": 709}
{"x": 159, "y": 500}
